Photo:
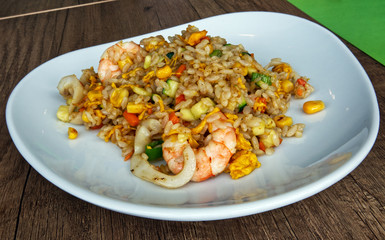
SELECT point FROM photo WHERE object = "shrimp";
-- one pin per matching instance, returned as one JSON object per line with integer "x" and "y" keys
{"x": 172, "y": 153}
{"x": 115, "y": 58}
{"x": 212, "y": 158}
{"x": 141, "y": 168}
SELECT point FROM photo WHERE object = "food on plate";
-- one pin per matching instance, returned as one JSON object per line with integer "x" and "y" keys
{"x": 202, "y": 104}
{"x": 314, "y": 106}
{"x": 72, "y": 133}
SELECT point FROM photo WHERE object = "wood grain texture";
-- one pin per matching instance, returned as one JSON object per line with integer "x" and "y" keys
{"x": 20, "y": 7}
{"x": 33, "y": 208}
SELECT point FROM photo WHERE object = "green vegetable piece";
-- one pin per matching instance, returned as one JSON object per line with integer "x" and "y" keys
{"x": 246, "y": 53}
{"x": 172, "y": 87}
{"x": 227, "y": 44}
{"x": 200, "y": 108}
{"x": 147, "y": 62}
{"x": 217, "y": 53}
{"x": 242, "y": 105}
{"x": 155, "y": 143}
{"x": 154, "y": 151}
{"x": 259, "y": 77}
{"x": 170, "y": 55}
{"x": 187, "y": 114}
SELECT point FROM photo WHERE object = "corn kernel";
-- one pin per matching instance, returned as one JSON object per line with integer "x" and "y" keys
{"x": 244, "y": 69}
{"x": 117, "y": 96}
{"x": 84, "y": 117}
{"x": 283, "y": 67}
{"x": 164, "y": 72}
{"x": 135, "y": 108}
{"x": 95, "y": 95}
{"x": 311, "y": 107}
{"x": 72, "y": 133}
{"x": 282, "y": 120}
{"x": 122, "y": 63}
{"x": 63, "y": 113}
{"x": 287, "y": 86}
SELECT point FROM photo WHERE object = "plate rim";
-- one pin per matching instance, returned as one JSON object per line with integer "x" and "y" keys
{"x": 214, "y": 212}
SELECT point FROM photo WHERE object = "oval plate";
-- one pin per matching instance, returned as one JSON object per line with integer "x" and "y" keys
{"x": 335, "y": 140}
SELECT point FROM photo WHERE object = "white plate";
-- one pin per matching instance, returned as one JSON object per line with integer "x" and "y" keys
{"x": 335, "y": 141}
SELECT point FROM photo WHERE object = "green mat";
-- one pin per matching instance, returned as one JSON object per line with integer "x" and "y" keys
{"x": 360, "y": 22}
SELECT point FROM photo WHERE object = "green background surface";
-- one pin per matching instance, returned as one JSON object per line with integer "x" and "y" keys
{"x": 360, "y": 22}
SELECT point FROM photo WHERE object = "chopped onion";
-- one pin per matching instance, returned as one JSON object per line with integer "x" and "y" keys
{"x": 141, "y": 168}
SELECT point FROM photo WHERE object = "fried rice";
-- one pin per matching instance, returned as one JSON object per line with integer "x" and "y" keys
{"x": 178, "y": 82}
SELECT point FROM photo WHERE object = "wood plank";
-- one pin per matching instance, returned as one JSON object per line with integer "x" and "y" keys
{"x": 13, "y": 174}
{"x": 17, "y": 57}
{"x": 19, "y": 7}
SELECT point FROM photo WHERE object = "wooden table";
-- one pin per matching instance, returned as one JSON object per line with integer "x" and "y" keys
{"x": 33, "y": 208}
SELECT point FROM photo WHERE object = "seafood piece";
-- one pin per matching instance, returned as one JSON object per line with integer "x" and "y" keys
{"x": 141, "y": 168}
{"x": 116, "y": 58}
{"x": 212, "y": 158}
{"x": 172, "y": 153}
{"x": 71, "y": 88}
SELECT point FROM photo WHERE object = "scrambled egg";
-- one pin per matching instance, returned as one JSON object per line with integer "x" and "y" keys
{"x": 242, "y": 143}
{"x": 196, "y": 37}
{"x": 242, "y": 164}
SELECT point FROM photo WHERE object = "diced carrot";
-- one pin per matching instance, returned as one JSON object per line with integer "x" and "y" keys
{"x": 260, "y": 104}
{"x": 180, "y": 69}
{"x": 128, "y": 156}
{"x": 149, "y": 110}
{"x": 299, "y": 91}
{"x": 262, "y": 146}
{"x": 131, "y": 118}
{"x": 97, "y": 127}
{"x": 81, "y": 109}
{"x": 179, "y": 99}
{"x": 301, "y": 81}
{"x": 173, "y": 118}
